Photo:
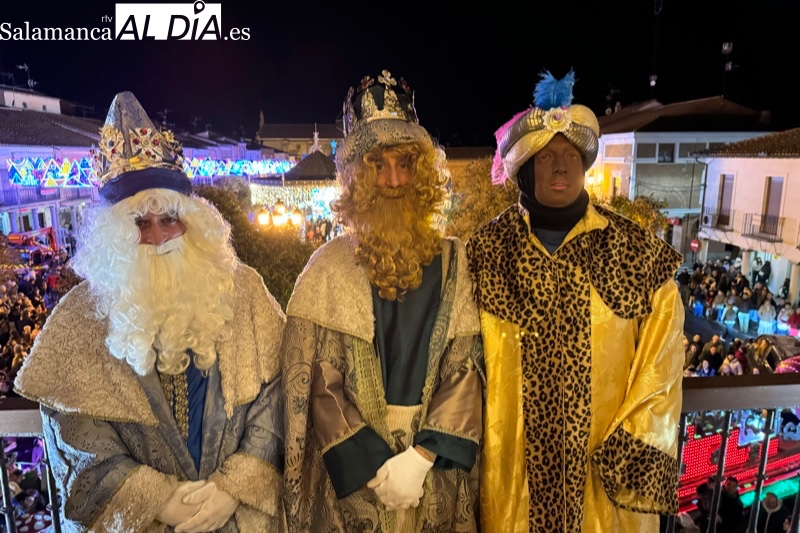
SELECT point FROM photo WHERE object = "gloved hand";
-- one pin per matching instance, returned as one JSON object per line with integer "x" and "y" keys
{"x": 174, "y": 510}
{"x": 216, "y": 508}
{"x": 398, "y": 482}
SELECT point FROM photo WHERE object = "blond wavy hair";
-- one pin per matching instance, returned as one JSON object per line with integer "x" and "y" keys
{"x": 395, "y": 237}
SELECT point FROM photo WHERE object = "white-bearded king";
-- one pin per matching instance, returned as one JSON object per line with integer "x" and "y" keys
{"x": 381, "y": 350}
{"x": 158, "y": 376}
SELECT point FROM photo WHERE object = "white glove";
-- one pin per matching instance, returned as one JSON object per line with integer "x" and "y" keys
{"x": 398, "y": 482}
{"x": 216, "y": 508}
{"x": 175, "y": 510}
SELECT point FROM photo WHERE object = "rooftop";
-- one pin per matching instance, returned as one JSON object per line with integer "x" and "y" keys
{"x": 644, "y": 116}
{"x": 35, "y": 128}
{"x": 299, "y": 131}
{"x": 782, "y": 144}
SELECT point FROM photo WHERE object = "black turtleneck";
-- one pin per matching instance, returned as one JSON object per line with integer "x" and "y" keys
{"x": 550, "y": 224}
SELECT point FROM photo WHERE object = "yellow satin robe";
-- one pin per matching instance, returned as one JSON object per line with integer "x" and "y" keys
{"x": 636, "y": 370}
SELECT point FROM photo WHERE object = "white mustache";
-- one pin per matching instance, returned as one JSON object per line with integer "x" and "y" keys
{"x": 165, "y": 247}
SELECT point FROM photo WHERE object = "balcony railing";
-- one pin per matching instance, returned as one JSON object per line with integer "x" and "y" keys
{"x": 727, "y": 397}
{"x": 30, "y": 195}
{"x": 717, "y": 218}
{"x": 724, "y": 397}
{"x": 77, "y": 193}
{"x": 763, "y": 227}
{"x": 20, "y": 417}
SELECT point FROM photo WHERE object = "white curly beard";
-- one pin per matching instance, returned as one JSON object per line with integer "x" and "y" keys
{"x": 161, "y": 301}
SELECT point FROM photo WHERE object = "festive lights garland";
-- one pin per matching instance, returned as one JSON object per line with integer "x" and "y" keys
{"x": 309, "y": 195}
{"x": 52, "y": 172}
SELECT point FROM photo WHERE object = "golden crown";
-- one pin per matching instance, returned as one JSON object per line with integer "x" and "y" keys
{"x": 373, "y": 102}
{"x": 145, "y": 148}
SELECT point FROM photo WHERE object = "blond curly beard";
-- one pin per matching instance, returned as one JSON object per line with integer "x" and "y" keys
{"x": 160, "y": 301}
{"x": 396, "y": 230}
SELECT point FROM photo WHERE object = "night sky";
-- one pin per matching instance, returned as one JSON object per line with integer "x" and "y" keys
{"x": 472, "y": 67}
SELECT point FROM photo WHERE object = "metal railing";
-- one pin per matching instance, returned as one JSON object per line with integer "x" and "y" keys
{"x": 76, "y": 193}
{"x": 717, "y": 218}
{"x": 28, "y": 195}
{"x": 22, "y": 196}
{"x": 763, "y": 227}
{"x": 730, "y": 394}
{"x": 20, "y": 418}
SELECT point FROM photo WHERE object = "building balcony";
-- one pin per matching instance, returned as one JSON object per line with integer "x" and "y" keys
{"x": 747, "y": 421}
{"x": 763, "y": 227}
{"x": 717, "y": 218}
{"x": 21, "y": 196}
{"x": 29, "y": 195}
{"x": 77, "y": 193}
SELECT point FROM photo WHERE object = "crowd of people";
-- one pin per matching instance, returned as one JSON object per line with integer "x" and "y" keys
{"x": 773, "y": 517}
{"x": 713, "y": 358}
{"x": 25, "y": 302}
{"x": 321, "y": 230}
{"x": 720, "y": 291}
{"x": 24, "y": 305}
{"x": 25, "y": 471}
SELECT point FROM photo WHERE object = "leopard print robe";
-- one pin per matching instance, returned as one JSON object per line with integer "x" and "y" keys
{"x": 583, "y": 362}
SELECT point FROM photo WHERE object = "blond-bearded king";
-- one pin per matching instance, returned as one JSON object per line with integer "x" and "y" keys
{"x": 158, "y": 375}
{"x": 382, "y": 347}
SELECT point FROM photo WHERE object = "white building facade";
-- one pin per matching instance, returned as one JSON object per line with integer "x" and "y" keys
{"x": 752, "y": 206}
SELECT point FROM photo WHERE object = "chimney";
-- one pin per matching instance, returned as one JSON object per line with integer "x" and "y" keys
{"x": 766, "y": 118}
{"x": 618, "y": 107}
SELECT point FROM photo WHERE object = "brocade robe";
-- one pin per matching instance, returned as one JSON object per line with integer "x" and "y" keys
{"x": 583, "y": 361}
{"x": 336, "y": 403}
{"x": 113, "y": 442}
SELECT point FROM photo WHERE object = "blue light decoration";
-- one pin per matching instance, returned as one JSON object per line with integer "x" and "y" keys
{"x": 50, "y": 173}
{"x": 69, "y": 173}
{"x": 261, "y": 168}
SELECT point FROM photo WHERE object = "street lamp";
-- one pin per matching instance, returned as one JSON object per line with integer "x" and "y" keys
{"x": 264, "y": 217}
{"x": 296, "y": 217}
{"x": 279, "y": 217}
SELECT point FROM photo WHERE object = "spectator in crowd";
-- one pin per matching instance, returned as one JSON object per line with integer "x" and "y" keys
{"x": 771, "y": 515}
{"x": 684, "y": 280}
{"x": 766, "y": 316}
{"x": 716, "y": 342}
{"x": 6, "y": 385}
{"x": 761, "y": 295}
{"x": 692, "y": 357}
{"x": 697, "y": 341}
{"x": 763, "y": 274}
{"x": 729, "y": 315}
{"x": 783, "y": 319}
{"x": 731, "y": 366}
{"x": 745, "y": 305}
{"x": 740, "y": 283}
{"x": 783, "y": 292}
{"x": 755, "y": 270}
{"x": 743, "y": 353}
{"x": 794, "y": 323}
{"x": 705, "y": 493}
{"x": 731, "y": 518}
{"x": 705, "y": 370}
{"x": 725, "y": 283}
